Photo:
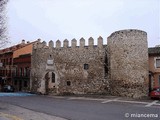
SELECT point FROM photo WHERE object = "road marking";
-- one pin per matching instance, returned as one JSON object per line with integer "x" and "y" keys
{"x": 84, "y": 98}
{"x": 9, "y": 116}
{"x": 110, "y": 100}
{"x": 152, "y": 103}
{"x": 137, "y": 102}
{"x": 115, "y": 100}
{"x": 147, "y": 104}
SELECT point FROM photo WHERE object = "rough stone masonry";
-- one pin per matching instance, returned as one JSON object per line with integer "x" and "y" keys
{"x": 118, "y": 68}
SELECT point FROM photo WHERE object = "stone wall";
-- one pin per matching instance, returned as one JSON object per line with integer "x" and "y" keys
{"x": 128, "y": 55}
{"x": 68, "y": 66}
{"x": 118, "y": 68}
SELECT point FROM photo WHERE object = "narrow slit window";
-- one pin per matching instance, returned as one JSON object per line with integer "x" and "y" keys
{"x": 86, "y": 66}
{"x": 53, "y": 77}
{"x": 68, "y": 83}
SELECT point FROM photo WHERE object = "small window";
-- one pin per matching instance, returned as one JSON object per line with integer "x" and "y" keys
{"x": 157, "y": 63}
{"x": 53, "y": 77}
{"x": 68, "y": 83}
{"x": 15, "y": 82}
{"x": 25, "y": 71}
{"x": 86, "y": 66}
{"x": 159, "y": 80}
{"x": 16, "y": 71}
{"x": 25, "y": 84}
{"x": 20, "y": 72}
{"x": 10, "y": 62}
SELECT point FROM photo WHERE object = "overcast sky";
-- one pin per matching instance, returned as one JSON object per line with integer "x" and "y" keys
{"x": 61, "y": 19}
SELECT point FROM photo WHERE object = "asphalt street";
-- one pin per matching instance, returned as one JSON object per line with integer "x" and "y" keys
{"x": 81, "y": 108}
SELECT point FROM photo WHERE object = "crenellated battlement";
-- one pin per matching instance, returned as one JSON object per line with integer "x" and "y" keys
{"x": 58, "y": 43}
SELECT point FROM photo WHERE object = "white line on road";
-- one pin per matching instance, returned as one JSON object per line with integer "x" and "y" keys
{"x": 84, "y": 98}
{"x": 152, "y": 103}
{"x": 110, "y": 100}
{"x": 147, "y": 104}
{"x": 137, "y": 102}
{"x": 124, "y": 101}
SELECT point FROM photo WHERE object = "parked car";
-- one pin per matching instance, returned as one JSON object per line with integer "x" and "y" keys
{"x": 8, "y": 88}
{"x": 155, "y": 93}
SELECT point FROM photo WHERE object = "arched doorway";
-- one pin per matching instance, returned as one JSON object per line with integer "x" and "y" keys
{"x": 50, "y": 81}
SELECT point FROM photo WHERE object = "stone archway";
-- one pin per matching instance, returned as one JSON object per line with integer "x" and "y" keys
{"x": 50, "y": 82}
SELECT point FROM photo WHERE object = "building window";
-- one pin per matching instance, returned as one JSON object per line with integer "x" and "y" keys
{"x": 159, "y": 80}
{"x": 1, "y": 64}
{"x": 157, "y": 63}
{"x": 10, "y": 61}
{"x": 25, "y": 84}
{"x": 25, "y": 72}
{"x": 86, "y": 66}
{"x": 15, "y": 82}
{"x": 20, "y": 72}
{"x": 68, "y": 83}
{"x": 16, "y": 71}
{"x": 6, "y": 61}
{"x": 28, "y": 72}
{"x": 53, "y": 77}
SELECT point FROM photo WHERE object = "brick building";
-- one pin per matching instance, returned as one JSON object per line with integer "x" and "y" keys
{"x": 6, "y": 63}
{"x": 22, "y": 65}
{"x": 15, "y": 63}
{"x": 154, "y": 66}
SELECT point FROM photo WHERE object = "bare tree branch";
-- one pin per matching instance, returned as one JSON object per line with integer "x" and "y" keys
{"x": 3, "y": 23}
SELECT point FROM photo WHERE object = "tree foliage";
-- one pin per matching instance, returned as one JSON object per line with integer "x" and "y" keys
{"x": 3, "y": 23}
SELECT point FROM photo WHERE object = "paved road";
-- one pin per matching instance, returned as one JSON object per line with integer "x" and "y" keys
{"x": 79, "y": 108}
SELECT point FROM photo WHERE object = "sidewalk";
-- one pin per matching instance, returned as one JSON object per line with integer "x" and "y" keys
{"x": 4, "y": 116}
{"x": 11, "y": 112}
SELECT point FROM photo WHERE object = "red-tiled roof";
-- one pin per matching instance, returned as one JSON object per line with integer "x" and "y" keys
{"x": 15, "y": 47}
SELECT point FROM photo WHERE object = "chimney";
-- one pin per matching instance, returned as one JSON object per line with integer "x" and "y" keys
{"x": 157, "y": 46}
{"x": 23, "y": 41}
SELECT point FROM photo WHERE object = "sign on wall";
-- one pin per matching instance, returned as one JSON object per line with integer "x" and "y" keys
{"x": 50, "y": 62}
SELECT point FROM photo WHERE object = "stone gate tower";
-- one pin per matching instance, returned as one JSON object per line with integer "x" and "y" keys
{"x": 118, "y": 68}
{"x": 128, "y": 56}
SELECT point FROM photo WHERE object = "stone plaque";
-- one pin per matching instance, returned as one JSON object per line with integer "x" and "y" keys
{"x": 50, "y": 62}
